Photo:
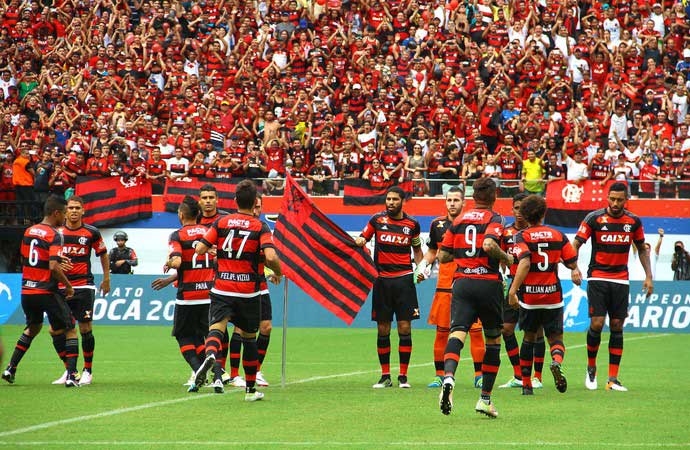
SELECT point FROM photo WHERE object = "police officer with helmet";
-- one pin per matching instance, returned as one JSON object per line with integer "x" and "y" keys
{"x": 122, "y": 258}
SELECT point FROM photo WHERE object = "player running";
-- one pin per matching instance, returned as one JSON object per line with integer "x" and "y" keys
{"x": 79, "y": 240}
{"x": 236, "y": 292}
{"x": 394, "y": 293}
{"x": 612, "y": 230}
{"x": 539, "y": 249}
{"x": 510, "y": 315}
{"x": 195, "y": 276}
{"x": 440, "y": 307}
{"x": 473, "y": 242}
{"x": 41, "y": 256}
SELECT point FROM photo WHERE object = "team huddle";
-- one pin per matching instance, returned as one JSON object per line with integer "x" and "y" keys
{"x": 474, "y": 248}
{"x": 224, "y": 261}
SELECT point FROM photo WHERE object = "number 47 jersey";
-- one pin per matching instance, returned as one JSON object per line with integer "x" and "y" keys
{"x": 195, "y": 274}
{"x": 240, "y": 239}
{"x": 464, "y": 241}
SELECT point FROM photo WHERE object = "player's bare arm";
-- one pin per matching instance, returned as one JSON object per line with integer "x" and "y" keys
{"x": 444, "y": 256}
{"x": 520, "y": 275}
{"x": 160, "y": 283}
{"x": 174, "y": 262}
{"x": 59, "y": 275}
{"x": 273, "y": 262}
{"x": 492, "y": 249}
{"x": 105, "y": 264}
{"x": 575, "y": 274}
{"x": 201, "y": 248}
{"x": 647, "y": 285}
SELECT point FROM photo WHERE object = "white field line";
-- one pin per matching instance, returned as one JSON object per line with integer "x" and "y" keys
{"x": 115, "y": 412}
{"x": 426, "y": 444}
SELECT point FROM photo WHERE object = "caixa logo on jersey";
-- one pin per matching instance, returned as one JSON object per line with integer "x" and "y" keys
{"x": 132, "y": 301}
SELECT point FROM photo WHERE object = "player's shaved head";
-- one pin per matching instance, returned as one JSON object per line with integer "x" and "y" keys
{"x": 189, "y": 208}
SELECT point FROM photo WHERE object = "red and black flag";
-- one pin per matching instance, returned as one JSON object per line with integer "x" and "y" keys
{"x": 568, "y": 202}
{"x": 110, "y": 201}
{"x": 175, "y": 191}
{"x": 321, "y": 258}
{"x": 360, "y": 192}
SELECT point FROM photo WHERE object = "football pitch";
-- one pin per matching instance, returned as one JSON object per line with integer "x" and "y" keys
{"x": 138, "y": 401}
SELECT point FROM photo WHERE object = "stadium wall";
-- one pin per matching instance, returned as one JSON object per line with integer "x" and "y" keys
{"x": 133, "y": 302}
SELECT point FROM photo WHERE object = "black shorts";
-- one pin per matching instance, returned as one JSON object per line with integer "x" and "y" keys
{"x": 606, "y": 297}
{"x": 266, "y": 310}
{"x": 190, "y": 320}
{"x": 53, "y": 305}
{"x": 394, "y": 296}
{"x": 243, "y": 312}
{"x": 477, "y": 299}
{"x": 81, "y": 304}
{"x": 533, "y": 319}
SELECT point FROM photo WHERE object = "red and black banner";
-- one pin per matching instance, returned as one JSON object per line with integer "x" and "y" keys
{"x": 175, "y": 190}
{"x": 568, "y": 203}
{"x": 321, "y": 258}
{"x": 364, "y": 192}
{"x": 111, "y": 201}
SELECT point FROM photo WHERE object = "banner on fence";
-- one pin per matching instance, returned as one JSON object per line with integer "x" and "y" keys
{"x": 133, "y": 302}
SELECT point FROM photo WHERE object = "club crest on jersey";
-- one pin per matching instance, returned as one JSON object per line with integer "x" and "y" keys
{"x": 406, "y": 230}
{"x": 395, "y": 239}
{"x": 83, "y": 240}
{"x": 627, "y": 228}
{"x": 572, "y": 193}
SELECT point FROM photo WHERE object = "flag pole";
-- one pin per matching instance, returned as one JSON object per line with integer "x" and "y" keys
{"x": 285, "y": 312}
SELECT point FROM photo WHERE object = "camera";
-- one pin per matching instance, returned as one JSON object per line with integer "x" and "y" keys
{"x": 679, "y": 250}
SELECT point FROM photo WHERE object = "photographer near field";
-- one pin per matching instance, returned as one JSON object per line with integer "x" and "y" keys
{"x": 681, "y": 262}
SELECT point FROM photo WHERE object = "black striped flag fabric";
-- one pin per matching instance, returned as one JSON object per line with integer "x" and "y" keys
{"x": 568, "y": 203}
{"x": 110, "y": 201}
{"x": 358, "y": 192}
{"x": 321, "y": 258}
{"x": 175, "y": 190}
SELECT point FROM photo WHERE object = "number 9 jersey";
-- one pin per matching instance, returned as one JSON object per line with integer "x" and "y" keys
{"x": 464, "y": 241}
{"x": 240, "y": 239}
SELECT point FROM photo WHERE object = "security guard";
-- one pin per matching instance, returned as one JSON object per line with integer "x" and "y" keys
{"x": 122, "y": 258}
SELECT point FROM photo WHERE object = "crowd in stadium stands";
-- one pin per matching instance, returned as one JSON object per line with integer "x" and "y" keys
{"x": 440, "y": 92}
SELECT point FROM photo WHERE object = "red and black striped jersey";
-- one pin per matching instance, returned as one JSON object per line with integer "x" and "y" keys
{"x": 465, "y": 239}
{"x": 545, "y": 248}
{"x": 40, "y": 245}
{"x": 393, "y": 240}
{"x": 508, "y": 244}
{"x": 77, "y": 245}
{"x": 611, "y": 240}
{"x": 203, "y": 220}
{"x": 240, "y": 239}
{"x": 438, "y": 229}
{"x": 195, "y": 274}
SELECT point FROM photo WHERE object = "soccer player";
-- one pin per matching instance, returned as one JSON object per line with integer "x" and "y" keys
{"x": 208, "y": 201}
{"x": 473, "y": 242}
{"x": 612, "y": 230}
{"x": 195, "y": 276}
{"x": 78, "y": 241}
{"x": 440, "y": 307}
{"x": 394, "y": 292}
{"x": 41, "y": 257}
{"x": 510, "y": 315}
{"x": 539, "y": 249}
{"x": 236, "y": 292}
{"x": 265, "y": 327}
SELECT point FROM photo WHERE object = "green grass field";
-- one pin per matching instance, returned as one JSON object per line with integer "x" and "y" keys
{"x": 138, "y": 401}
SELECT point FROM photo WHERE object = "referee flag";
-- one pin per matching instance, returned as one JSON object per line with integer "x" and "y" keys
{"x": 321, "y": 258}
